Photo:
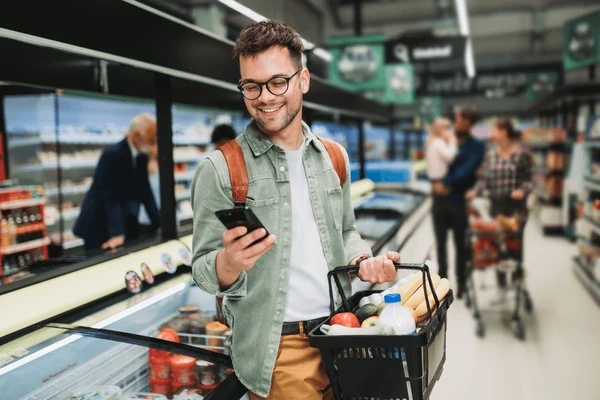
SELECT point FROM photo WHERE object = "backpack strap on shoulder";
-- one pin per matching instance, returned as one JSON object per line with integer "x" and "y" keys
{"x": 238, "y": 173}
{"x": 337, "y": 158}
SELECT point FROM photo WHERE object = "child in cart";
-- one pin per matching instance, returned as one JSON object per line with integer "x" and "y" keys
{"x": 506, "y": 180}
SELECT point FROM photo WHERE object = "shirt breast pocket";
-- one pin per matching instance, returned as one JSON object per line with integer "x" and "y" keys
{"x": 266, "y": 210}
{"x": 335, "y": 197}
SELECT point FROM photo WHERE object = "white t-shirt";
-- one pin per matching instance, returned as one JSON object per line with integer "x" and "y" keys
{"x": 308, "y": 293}
{"x": 439, "y": 157}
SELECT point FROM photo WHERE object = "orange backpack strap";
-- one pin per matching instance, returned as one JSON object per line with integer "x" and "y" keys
{"x": 238, "y": 174}
{"x": 337, "y": 158}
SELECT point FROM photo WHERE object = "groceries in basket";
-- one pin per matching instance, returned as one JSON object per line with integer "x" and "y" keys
{"x": 387, "y": 313}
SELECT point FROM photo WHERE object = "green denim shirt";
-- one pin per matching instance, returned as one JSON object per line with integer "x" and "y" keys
{"x": 255, "y": 304}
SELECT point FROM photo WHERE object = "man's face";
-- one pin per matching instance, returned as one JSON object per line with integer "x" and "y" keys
{"x": 147, "y": 139}
{"x": 462, "y": 126}
{"x": 274, "y": 113}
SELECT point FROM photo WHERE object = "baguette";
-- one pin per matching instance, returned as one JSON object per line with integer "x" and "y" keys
{"x": 409, "y": 287}
{"x": 441, "y": 290}
{"x": 416, "y": 299}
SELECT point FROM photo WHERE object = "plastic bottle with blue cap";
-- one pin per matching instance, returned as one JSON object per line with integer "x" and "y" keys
{"x": 397, "y": 316}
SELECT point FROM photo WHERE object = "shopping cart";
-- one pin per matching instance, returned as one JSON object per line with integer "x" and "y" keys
{"x": 385, "y": 367}
{"x": 497, "y": 244}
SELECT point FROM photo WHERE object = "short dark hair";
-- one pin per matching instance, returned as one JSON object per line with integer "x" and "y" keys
{"x": 261, "y": 36}
{"x": 469, "y": 113}
{"x": 506, "y": 124}
{"x": 221, "y": 132}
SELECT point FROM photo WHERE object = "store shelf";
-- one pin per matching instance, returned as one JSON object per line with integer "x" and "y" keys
{"x": 190, "y": 158}
{"x": 190, "y": 141}
{"x": 68, "y": 190}
{"x": 592, "y": 143}
{"x": 12, "y": 205}
{"x": 184, "y": 176}
{"x": 80, "y": 138}
{"x": 595, "y": 225}
{"x": 72, "y": 244}
{"x": 185, "y": 195}
{"x": 64, "y": 164}
{"x": 38, "y": 226}
{"x": 587, "y": 279}
{"x": 34, "y": 244}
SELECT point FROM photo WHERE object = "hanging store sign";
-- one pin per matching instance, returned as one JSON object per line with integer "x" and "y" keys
{"x": 420, "y": 50}
{"x": 400, "y": 88}
{"x": 533, "y": 84}
{"x": 428, "y": 108}
{"x": 358, "y": 63}
{"x": 581, "y": 41}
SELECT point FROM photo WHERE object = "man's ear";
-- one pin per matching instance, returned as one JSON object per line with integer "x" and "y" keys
{"x": 304, "y": 80}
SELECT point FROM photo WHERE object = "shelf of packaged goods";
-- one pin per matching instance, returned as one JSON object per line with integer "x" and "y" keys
{"x": 189, "y": 158}
{"x": 36, "y": 227}
{"x": 80, "y": 138}
{"x": 64, "y": 164}
{"x": 593, "y": 223}
{"x": 586, "y": 277}
{"x": 15, "y": 204}
{"x": 18, "y": 248}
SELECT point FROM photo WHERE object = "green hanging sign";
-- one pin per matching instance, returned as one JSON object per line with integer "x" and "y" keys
{"x": 358, "y": 62}
{"x": 429, "y": 108}
{"x": 400, "y": 86}
{"x": 581, "y": 41}
{"x": 540, "y": 85}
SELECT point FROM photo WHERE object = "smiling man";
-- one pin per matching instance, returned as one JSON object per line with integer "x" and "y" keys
{"x": 276, "y": 290}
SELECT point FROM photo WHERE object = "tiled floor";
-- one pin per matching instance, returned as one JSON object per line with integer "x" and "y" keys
{"x": 560, "y": 357}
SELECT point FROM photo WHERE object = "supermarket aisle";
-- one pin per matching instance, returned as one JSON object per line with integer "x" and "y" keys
{"x": 558, "y": 358}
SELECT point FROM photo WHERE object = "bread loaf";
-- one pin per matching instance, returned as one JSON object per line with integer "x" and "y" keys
{"x": 418, "y": 296}
{"x": 409, "y": 287}
{"x": 441, "y": 290}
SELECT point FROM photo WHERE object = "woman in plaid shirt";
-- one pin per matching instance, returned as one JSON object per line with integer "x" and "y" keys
{"x": 506, "y": 179}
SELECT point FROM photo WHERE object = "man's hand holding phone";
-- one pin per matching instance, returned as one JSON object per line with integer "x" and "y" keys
{"x": 239, "y": 253}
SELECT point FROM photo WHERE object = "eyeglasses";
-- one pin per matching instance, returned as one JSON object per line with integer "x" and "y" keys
{"x": 277, "y": 86}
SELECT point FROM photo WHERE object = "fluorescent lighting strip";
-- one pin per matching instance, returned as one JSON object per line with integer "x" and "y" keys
{"x": 256, "y": 17}
{"x": 117, "y": 317}
{"x": 465, "y": 30}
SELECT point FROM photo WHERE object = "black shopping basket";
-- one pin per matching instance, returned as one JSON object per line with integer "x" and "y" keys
{"x": 384, "y": 367}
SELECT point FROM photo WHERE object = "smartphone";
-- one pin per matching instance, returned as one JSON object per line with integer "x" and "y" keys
{"x": 241, "y": 216}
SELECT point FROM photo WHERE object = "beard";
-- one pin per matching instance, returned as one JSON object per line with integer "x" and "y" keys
{"x": 281, "y": 119}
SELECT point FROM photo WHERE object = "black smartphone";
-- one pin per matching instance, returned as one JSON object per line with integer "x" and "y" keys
{"x": 241, "y": 216}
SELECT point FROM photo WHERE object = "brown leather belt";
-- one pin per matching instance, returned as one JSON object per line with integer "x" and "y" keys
{"x": 296, "y": 328}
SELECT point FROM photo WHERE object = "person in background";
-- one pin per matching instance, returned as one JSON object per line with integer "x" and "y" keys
{"x": 441, "y": 149}
{"x": 276, "y": 290}
{"x": 506, "y": 179}
{"x": 222, "y": 134}
{"x": 109, "y": 213}
{"x": 449, "y": 206}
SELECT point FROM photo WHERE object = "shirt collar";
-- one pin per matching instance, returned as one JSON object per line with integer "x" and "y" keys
{"x": 259, "y": 143}
{"x": 134, "y": 152}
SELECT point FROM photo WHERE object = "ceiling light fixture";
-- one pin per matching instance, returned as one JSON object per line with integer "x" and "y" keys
{"x": 465, "y": 30}
{"x": 256, "y": 17}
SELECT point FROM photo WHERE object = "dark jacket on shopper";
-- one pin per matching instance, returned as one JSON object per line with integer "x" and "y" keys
{"x": 112, "y": 204}
{"x": 462, "y": 174}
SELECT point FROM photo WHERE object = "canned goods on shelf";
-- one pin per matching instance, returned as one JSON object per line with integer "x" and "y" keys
{"x": 207, "y": 374}
{"x": 160, "y": 369}
{"x": 183, "y": 371}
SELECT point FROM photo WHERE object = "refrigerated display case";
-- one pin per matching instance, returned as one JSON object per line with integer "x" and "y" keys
{"x": 116, "y": 352}
{"x": 55, "y": 139}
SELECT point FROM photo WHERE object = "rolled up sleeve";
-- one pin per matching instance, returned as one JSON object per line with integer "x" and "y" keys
{"x": 211, "y": 192}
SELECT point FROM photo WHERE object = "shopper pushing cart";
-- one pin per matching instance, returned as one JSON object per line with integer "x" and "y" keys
{"x": 505, "y": 179}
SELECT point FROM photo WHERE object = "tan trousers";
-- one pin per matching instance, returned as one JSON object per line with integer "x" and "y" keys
{"x": 299, "y": 372}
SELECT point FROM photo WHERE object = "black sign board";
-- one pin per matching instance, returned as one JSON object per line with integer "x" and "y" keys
{"x": 416, "y": 50}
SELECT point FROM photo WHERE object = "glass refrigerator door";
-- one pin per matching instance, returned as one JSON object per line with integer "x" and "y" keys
{"x": 115, "y": 353}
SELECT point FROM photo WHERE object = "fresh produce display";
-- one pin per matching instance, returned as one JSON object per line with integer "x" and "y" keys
{"x": 365, "y": 320}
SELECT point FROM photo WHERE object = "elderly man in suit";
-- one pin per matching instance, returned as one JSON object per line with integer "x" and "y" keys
{"x": 109, "y": 214}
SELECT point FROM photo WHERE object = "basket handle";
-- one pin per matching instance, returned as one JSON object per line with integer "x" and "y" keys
{"x": 424, "y": 268}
